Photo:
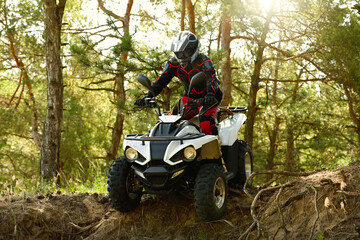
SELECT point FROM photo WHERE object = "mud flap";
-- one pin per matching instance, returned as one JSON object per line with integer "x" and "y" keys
{"x": 230, "y": 155}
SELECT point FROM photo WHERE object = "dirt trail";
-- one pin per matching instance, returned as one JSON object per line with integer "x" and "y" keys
{"x": 288, "y": 213}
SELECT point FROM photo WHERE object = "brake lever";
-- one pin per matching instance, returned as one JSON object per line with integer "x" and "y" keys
{"x": 149, "y": 103}
{"x": 145, "y": 106}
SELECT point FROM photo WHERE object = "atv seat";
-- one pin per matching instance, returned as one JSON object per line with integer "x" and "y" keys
{"x": 192, "y": 122}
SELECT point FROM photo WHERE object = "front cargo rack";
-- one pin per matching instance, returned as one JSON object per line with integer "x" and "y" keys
{"x": 143, "y": 139}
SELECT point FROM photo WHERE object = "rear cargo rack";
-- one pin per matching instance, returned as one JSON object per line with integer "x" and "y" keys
{"x": 225, "y": 112}
{"x": 233, "y": 109}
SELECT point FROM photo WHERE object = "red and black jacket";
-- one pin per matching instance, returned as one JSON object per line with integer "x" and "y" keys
{"x": 201, "y": 64}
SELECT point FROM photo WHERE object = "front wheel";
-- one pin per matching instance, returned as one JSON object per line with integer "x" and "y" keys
{"x": 210, "y": 192}
{"x": 123, "y": 186}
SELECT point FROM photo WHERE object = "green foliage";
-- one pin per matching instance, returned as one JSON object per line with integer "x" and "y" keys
{"x": 80, "y": 48}
{"x": 32, "y": 185}
{"x": 320, "y": 236}
{"x": 340, "y": 32}
{"x": 123, "y": 47}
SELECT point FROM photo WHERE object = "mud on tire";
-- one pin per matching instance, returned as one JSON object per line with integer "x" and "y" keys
{"x": 124, "y": 195}
{"x": 210, "y": 192}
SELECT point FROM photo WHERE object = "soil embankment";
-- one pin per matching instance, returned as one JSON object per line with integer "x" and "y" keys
{"x": 290, "y": 212}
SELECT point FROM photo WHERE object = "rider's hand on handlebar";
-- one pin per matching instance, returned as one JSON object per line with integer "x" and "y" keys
{"x": 209, "y": 99}
{"x": 194, "y": 102}
{"x": 145, "y": 102}
{"x": 140, "y": 102}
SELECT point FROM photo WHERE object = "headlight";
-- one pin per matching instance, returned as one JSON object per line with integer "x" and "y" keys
{"x": 131, "y": 154}
{"x": 190, "y": 153}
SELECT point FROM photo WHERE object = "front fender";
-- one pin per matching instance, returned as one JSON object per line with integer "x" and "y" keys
{"x": 229, "y": 129}
{"x": 176, "y": 146}
{"x": 142, "y": 147}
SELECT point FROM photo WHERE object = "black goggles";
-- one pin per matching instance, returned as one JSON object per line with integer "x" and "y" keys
{"x": 185, "y": 54}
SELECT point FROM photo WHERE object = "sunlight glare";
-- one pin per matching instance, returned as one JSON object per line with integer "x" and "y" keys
{"x": 264, "y": 4}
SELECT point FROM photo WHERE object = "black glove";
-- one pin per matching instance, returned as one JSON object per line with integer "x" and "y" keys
{"x": 193, "y": 103}
{"x": 141, "y": 102}
{"x": 210, "y": 99}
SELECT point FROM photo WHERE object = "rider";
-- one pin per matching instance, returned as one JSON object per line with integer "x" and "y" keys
{"x": 184, "y": 65}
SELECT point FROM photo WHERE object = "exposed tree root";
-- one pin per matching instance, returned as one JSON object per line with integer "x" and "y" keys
{"x": 349, "y": 194}
{"x": 282, "y": 173}
{"x": 317, "y": 212}
{"x": 266, "y": 188}
{"x": 290, "y": 200}
{"x": 283, "y": 225}
{"x": 245, "y": 234}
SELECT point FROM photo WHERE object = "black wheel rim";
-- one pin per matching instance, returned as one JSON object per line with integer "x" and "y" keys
{"x": 131, "y": 185}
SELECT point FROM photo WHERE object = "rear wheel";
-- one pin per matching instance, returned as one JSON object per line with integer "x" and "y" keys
{"x": 245, "y": 167}
{"x": 124, "y": 186}
{"x": 210, "y": 192}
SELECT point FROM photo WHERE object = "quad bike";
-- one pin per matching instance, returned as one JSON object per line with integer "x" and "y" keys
{"x": 175, "y": 154}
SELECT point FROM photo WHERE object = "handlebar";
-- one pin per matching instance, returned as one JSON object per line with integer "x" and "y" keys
{"x": 194, "y": 103}
{"x": 150, "y": 103}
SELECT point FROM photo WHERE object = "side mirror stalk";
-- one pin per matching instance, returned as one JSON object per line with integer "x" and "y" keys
{"x": 146, "y": 83}
{"x": 196, "y": 80}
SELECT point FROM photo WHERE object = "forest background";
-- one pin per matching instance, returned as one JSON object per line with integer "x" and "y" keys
{"x": 293, "y": 63}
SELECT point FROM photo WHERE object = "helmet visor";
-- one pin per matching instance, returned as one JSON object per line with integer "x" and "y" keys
{"x": 184, "y": 54}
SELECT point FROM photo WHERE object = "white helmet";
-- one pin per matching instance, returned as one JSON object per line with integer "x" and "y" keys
{"x": 186, "y": 46}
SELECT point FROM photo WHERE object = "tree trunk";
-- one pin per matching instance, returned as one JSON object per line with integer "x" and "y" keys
{"x": 358, "y": 134}
{"x": 166, "y": 94}
{"x": 358, "y": 144}
{"x": 50, "y": 149}
{"x": 119, "y": 121}
{"x": 272, "y": 151}
{"x": 119, "y": 81}
{"x": 354, "y": 110}
{"x": 24, "y": 74}
{"x": 182, "y": 21}
{"x": 290, "y": 164}
{"x": 21, "y": 66}
{"x": 225, "y": 45}
{"x": 273, "y": 135}
{"x": 290, "y": 148}
{"x": 255, "y": 80}
{"x": 191, "y": 12}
